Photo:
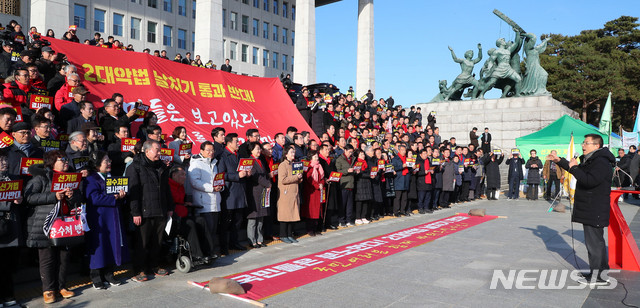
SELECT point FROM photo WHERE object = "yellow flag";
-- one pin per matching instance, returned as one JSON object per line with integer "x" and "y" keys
{"x": 569, "y": 181}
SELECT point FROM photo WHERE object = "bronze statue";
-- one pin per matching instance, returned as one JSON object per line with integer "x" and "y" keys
{"x": 465, "y": 79}
{"x": 535, "y": 77}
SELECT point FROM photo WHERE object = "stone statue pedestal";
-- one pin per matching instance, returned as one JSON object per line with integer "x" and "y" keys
{"x": 506, "y": 118}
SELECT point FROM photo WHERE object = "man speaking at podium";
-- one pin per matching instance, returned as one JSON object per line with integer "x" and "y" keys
{"x": 591, "y": 203}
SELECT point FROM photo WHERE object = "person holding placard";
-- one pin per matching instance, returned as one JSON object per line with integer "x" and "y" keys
{"x": 105, "y": 242}
{"x": 491, "y": 163}
{"x": 53, "y": 260}
{"x": 203, "y": 169}
{"x": 179, "y": 136}
{"x": 534, "y": 164}
{"x": 234, "y": 198}
{"x": 288, "y": 200}
{"x": 363, "y": 191}
{"x": 313, "y": 194}
{"x": 11, "y": 236}
{"x": 515, "y": 163}
{"x": 258, "y": 189}
{"x": 22, "y": 148}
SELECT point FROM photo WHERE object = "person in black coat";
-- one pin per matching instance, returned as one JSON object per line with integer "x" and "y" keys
{"x": 514, "y": 163}
{"x": 112, "y": 121}
{"x": 486, "y": 141}
{"x": 22, "y": 147}
{"x": 53, "y": 260}
{"x": 302, "y": 103}
{"x": 233, "y": 197}
{"x": 151, "y": 204}
{"x": 622, "y": 173}
{"x": 217, "y": 134}
{"x": 491, "y": 163}
{"x": 424, "y": 182}
{"x": 534, "y": 164}
{"x": 363, "y": 192}
{"x": 591, "y": 202}
{"x": 317, "y": 116}
{"x": 226, "y": 67}
{"x": 257, "y": 184}
{"x": 86, "y": 115}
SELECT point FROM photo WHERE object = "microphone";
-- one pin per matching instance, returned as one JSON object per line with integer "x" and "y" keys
{"x": 576, "y": 155}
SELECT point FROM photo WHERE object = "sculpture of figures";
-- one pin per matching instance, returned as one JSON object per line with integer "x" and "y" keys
{"x": 502, "y": 70}
{"x": 444, "y": 91}
{"x": 535, "y": 77}
{"x": 465, "y": 79}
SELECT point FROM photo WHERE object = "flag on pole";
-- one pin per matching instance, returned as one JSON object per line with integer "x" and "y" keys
{"x": 636, "y": 125}
{"x": 605, "y": 119}
{"x": 569, "y": 181}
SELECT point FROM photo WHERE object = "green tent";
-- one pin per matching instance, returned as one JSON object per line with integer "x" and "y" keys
{"x": 556, "y": 136}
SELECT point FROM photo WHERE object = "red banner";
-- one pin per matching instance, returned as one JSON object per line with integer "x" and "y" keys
{"x": 183, "y": 95}
{"x": 270, "y": 280}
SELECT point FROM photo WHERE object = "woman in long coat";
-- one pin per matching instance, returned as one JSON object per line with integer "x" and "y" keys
{"x": 105, "y": 245}
{"x": 448, "y": 179}
{"x": 363, "y": 189}
{"x": 491, "y": 165}
{"x": 257, "y": 186}
{"x": 534, "y": 164}
{"x": 311, "y": 197}
{"x": 288, "y": 200}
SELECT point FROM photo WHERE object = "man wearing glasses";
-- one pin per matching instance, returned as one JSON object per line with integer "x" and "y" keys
{"x": 591, "y": 203}
{"x": 65, "y": 95}
{"x": 252, "y": 136}
{"x": 21, "y": 148}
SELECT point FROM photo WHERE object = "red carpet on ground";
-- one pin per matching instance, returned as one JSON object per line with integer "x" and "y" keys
{"x": 277, "y": 278}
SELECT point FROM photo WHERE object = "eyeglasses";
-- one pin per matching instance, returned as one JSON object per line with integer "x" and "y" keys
{"x": 24, "y": 132}
{"x": 62, "y": 159}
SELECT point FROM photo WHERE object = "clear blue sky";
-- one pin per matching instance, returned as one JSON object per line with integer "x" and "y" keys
{"x": 411, "y": 37}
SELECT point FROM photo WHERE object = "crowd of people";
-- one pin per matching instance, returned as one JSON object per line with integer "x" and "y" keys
{"x": 371, "y": 159}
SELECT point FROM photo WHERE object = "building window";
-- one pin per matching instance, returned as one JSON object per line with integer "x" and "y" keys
{"x": 224, "y": 46}
{"x": 118, "y": 24}
{"x": 166, "y": 35}
{"x": 224, "y": 18}
{"x": 233, "y": 49}
{"x": 293, "y": 37}
{"x": 256, "y": 29}
{"x": 80, "y": 16}
{"x": 285, "y": 7}
{"x": 293, "y": 12}
{"x": 135, "y": 28}
{"x": 265, "y": 57}
{"x": 285, "y": 35}
{"x": 292, "y": 61}
{"x": 245, "y": 2}
{"x": 275, "y": 33}
{"x": 182, "y": 39}
{"x": 152, "y": 3}
{"x": 245, "y": 50}
{"x": 275, "y": 60}
{"x": 151, "y": 31}
{"x": 265, "y": 5}
{"x": 193, "y": 9}
{"x": 275, "y": 7}
{"x": 245, "y": 24}
{"x": 256, "y": 3}
{"x": 98, "y": 20}
{"x": 265, "y": 30}
{"x": 234, "y": 20}
{"x": 254, "y": 60}
{"x": 284, "y": 62}
{"x": 167, "y": 5}
{"x": 193, "y": 41}
{"x": 182, "y": 7}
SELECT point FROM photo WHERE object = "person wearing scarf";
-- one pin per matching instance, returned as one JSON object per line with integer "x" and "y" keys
{"x": 401, "y": 181}
{"x": 314, "y": 194}
{"x": 363, "y": 188}
{"x": 347, "y": 182}
{"x": 424, "y": 182}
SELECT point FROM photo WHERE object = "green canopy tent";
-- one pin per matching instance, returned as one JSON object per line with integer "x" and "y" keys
{"x": 556, "y": 136}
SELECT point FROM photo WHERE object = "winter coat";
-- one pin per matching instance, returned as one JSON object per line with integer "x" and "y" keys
{"x": 234, "y": 195}
{"x": 14, "y": 156}
{"x": 492, "y": 170}
{"x": 363, "y": 184}
{"x": 311, "y": 197}
{"x": 424, "y": 180}
{"x": 515, "y": 168}
{"x": 105, "y": 241}
{"x": 401, "y": 182}
{"x": 256, "y": 185}
{"x": 436, "y": 177}
{"x": 546, "y": 170}
{"x": 593, "y": 187}
{"x": 342, "y": 165}
{"x": 473, "y": 139}
{"x": 149, "y": 191}
{"x": 449, "y": 171}
{"x": 109, "y": 124}
{"x": 175, "y": 145}
{"x": 533, "y": 177}
{"x": 305, "y": 112}
{"x": 377, "y": 186}
{"x": 202, "y": 171}
{"x": 40, "y": 201}
{"x": 12, "y": 220}
{"x": 71, "y": 154}
{"x": 288, "y": 201}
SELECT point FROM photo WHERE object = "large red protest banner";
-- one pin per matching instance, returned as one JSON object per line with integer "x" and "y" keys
{"x": 274, "y": 279}
{"x": 183, "y": 95}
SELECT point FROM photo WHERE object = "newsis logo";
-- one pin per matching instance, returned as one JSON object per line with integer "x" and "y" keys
{"x": 550, "y": 280}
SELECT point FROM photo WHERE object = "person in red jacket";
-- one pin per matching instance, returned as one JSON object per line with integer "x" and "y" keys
{"x": 15, "y": 92}
{"x": 64, "y": 96}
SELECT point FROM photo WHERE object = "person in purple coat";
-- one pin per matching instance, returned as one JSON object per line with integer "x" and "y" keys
{"x": 105, "y": 241}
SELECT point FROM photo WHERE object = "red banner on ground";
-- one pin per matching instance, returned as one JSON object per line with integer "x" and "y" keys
{"x": 277, "y": 278}
{"x": 183, "y": 95}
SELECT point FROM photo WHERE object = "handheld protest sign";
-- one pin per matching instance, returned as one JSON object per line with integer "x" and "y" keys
{"x": 5, "y": 140}
{"x": 185, "y": 149}
{"x": 50, "y": 145}
{"x": 26, "y": 162}
{"x": 297, "y": 168}
{"x": 40, "y": 101}
{"x": 115, "y": 184}
{"x": 10, "y": 190}
{"x": 127, "y": 144}
{"x": 274, "y": 168}
{"x": 305, "y": 165}
{"x": 166, "y": 155}
{"x": 218, "y": 180}
{"x": 63, "y": 180}
{"x": 335, "y": 176}
{"x": 245, "y": 164}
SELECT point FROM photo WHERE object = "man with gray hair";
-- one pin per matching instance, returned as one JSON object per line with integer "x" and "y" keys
{"x": 151, "y": 203}
{"x": 77, "y": 153}
{"x": 62, "y": 71}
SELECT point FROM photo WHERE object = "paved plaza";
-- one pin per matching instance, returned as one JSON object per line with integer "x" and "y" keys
{"x": 452, "y": 271}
